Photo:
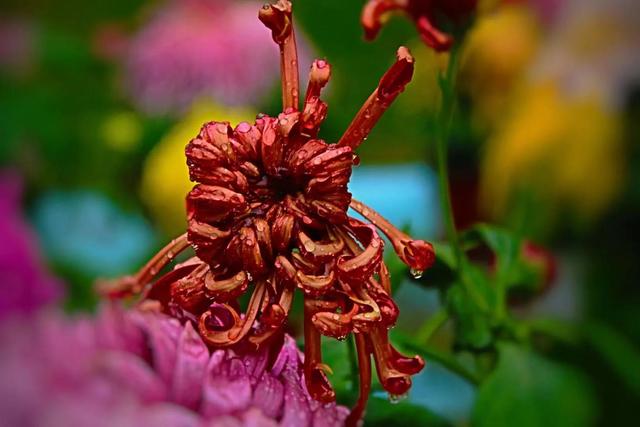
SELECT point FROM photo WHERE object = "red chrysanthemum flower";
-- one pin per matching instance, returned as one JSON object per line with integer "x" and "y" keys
{"x": 425, "y": 13}
{"x": 269, "y": 214}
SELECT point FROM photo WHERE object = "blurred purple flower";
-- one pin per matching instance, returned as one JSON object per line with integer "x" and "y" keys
{"x": 201, "y": 48}
{"x": 134, "y": 368}
{"x": 26, "y": 285}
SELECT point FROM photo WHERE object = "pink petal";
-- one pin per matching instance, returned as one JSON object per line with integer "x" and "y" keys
{"x": 130, "y": 373}
{"x": 227, "y": 386}
{"x": 163, "y": 333}
{"x": 297, "y": 412}
{"x": 191, "y": 362}
{"x": 269, "y": 396}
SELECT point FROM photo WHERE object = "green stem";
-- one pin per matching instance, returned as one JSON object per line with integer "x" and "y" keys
{"x": 445, "y": 118}
{"x": 432, "y": 325}
{"x": 353, "y": 364}
{"x": 444, "y": 359}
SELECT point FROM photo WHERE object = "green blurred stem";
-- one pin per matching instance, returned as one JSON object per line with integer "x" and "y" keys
{"x": 444, "y": 359}
{"x": 445, "y": 118}
{"x": 353, "y": 364}
{"x": 432, "y": 325}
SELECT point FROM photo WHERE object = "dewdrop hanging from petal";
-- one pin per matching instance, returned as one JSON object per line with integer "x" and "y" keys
{"x": 268, "y": 215}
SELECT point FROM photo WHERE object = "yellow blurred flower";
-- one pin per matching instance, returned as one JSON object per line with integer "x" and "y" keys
{"x": 165, "y": 179}
{"x": 566, "y": 152}
{"x": 495, "y": 56}
{"x": 122, "y": 131}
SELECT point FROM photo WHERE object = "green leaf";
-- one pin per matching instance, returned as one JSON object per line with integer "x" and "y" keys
{"x": 381, "y": 412}
{"x": 473, "y": 327}
{"x": 618, "y": 351}
{"x": 504, "y": 244}
{"x": 445, "y": 254}
{"x": 527, "y": 390}
{"x": 336, "y": 355}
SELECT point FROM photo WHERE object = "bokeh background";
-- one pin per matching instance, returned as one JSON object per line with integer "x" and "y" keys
{"x": 98, "y": 100}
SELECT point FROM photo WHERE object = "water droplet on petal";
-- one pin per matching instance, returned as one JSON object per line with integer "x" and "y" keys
{"x": 394, "y": 399}
{"x": 416, "y": 274}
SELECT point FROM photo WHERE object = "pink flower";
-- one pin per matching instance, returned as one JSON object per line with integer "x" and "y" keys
{"x": 201, "y": 48}
{"x": 135, "y": 368}
{"x": 26, "y": 285}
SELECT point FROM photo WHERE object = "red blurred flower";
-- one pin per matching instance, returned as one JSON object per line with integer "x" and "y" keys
{"x": 269, "y": 214}
{"x": 541, "y": 260}
{"x": 427, "y": 15}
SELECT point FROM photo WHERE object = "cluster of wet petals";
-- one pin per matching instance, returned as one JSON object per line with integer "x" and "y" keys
{"x": 426, "y": 14}
{"x": 269, "y": 214}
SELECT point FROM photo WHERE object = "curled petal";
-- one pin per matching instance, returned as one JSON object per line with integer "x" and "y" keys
{"x": 315, "y": 110}
{"x": 247, "y": 140}
{"x": 277, "y": 17}
{"x": 212, "y": 148}
{"x": 404, "y": 364}
{"x": 320, "y": 251}
{"x": 208, "y": 241}
{"x": 327, "y": 210}
{"x": 211, "y": 203}
{"x": 244, "y": 251}
{"x": 397, "y": 77}
{"x": 431, "y": 36}
{"x": 390, "y": 86}
{"x": 361, "y": 267}
{"x": 305, "y": 153}
{"x": 286, "y": 122}
{"x": 314, "y": 285}
{"x": 396, "y": 382}
{"x": 318, "y": 385}
{"x": 298, "y": 208}
{"x": 215, "y": 324}
{"x": 218, "y": 134}
{"x": 417, "y": 254}
{"x": 274, "y": 317}
{"x": 220, "y": 176}
{"x": 189, "y": 291}
{"x": 319, "y": 76}
{"x": 285, "y": 271}
{"x": 160, "y": 290}
{"x": 282, "y": 231}
{"x": 233, "y": 329}
{"x": 388, "y": 309}
{"x": 366, "y": 319}
{"x": 223, "y": 290}
{"x": 263, "y": 235}
{"x": 158, "y": 262}
{"x": 305, "y": 265}
{"x": 272, "y": 148}
{"x": 331, "y": 186}
{"x": 313, "y": 114}
{"x": 336, "y": 325}
{"x": 331, "y": 159}
{"x": 373, "y": 14}
{"x": 385, "y": 278}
